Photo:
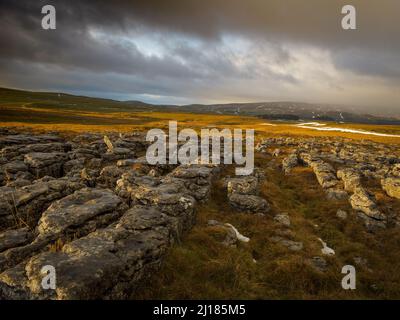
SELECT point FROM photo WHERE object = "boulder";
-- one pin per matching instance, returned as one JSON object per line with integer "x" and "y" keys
{"x": 247, "y": 185}
{"x": 14, "y": 238}
{"x": 351, "y": 179}
{"x": 26, "y": 204}
{"x": 78, "y": 208}
{"x": 283, "y": 219}
{"x": 249, "y": 203}
{"x": 196, "y": 178}
{"x": 336, "y": 194}
{"x": 363, "y": 201}
{"x": 108, "y": 263}
{"x": 46, "y": 164}
{"x": 319, "y": 264}
{"x": 391, "y": 186}
{"x": 290, "y": 162}
{"x": 291, "y": 245}
{"x": 341, "y": 214}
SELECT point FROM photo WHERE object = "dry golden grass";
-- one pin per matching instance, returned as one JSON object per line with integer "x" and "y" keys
{"x": 78, "y": 120}
{"x": 202, "y": 268}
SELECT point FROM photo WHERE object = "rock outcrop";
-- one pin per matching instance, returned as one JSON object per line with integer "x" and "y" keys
{"x": 391, "y": 186}
{"x": 243, "y": 195}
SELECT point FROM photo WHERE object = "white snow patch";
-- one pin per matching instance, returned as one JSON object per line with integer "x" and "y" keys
{"x": 315, "y": 126}
{"x": 239, "y": 236}
{"x": 325, "y": 249}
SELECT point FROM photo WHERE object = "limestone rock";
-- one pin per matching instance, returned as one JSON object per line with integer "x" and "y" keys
{"x": 351, "y": 179}
{"x": 291, "y": 245}
{"x": 45, "y": 164}
{"x": 289, "y": 163}
{"x": 246, "y": 185}
{"x": 283, "y": 219}
{"x": 392, "y": 187}
{"x": 77, "y": 208}
{"x": 13, "y": 238}
{"x": 249, "y": 203}
{"x": 341, "y": 214}
{"x": 363, "y": 201}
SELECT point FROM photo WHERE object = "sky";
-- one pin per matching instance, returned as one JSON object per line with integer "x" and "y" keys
{"x": 208, "y": 51}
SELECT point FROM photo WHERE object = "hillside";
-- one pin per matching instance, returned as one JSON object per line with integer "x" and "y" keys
{"x": 268, "y": 110}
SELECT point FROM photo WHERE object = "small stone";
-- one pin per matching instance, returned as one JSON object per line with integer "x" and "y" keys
{"x": 319, "y": 263}
{"x": 283, "y": 218}
{"x": 291, "y": 245}
{"x": 341, "y": 214}
{"x": 109, "y": 144}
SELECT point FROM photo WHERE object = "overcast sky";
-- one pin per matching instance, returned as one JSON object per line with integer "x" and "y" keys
{"x": 205, "y": 51}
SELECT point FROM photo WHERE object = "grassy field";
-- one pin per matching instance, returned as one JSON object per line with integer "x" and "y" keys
{"x": 61, "y": 112}
{"x": 25, "y": 115}
{"x": 200, "y": 266}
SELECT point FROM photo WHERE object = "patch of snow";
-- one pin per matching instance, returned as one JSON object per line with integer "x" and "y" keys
{"x": 314, "y": 127}
{"x": 317, "y": 124}
{"x": 239, "y": 236}
{"x": 325, "y": 249}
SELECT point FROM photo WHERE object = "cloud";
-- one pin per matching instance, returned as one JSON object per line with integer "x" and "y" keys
{"x": 205, "y": 51}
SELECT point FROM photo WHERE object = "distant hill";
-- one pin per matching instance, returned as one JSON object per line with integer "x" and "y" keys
{"x": 295, "y": 111}
{"x": 68, "y": 101}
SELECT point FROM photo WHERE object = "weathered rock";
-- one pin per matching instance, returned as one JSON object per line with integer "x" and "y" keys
{"x": 84, "y": 152}
{"x": 76, "y": 209}
{"x": 108, "y": 176}
{"x": 170, "y": 198}
{"x": 196, "y": 178}
{"x": 283, "y": 219}
{"x": 27, "y": 139}
{"x": 245, "y": 185}
{"x": 351, "y": 179}
{"x": 27, "y": 203}
{"x": 290, "y": 162}
{"x": 276, "y": 152}
{"x": 131, "y": 180}
{"x": 74, "y": 165}
{"x": 391, "y": 186}
{"x": 14, "y": 238}
{"x": 16, "y": 170}
{"x": 126, "y": 162}
{"x": 341, "y": 214}
{"x": 291, "y": 245}
{"x": 242, "y": 195}
{"x": 18, "y": 151}
{"x": 336, "y": 194}
{"x": 363, "y": 201}
{"x": 249, "y": 203}
{"x": 45, "y": 164}
{"x": 108, "y": 263}
{"x": 109, "y": 144}
{"x": 117, "y": 153}
{"x": 324, "y": 172}
{"x": 319, "y": 264}
{"x": 362, "y": 262}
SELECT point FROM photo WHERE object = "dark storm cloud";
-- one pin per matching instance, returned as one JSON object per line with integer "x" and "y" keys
{"x": 89, "y": 40}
